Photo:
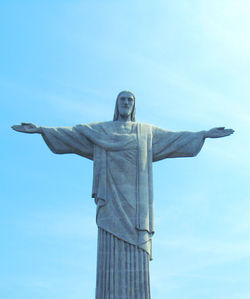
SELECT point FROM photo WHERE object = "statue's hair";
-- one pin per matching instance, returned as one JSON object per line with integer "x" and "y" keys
{"x": 116, "y": 113}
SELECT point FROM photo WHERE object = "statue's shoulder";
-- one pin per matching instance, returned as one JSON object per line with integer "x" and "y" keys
{"x": 96, "y": 124}
{"x": 148, "y": 127}
{"x": 111, "y": 125}
{"x": 101, "y": 127}
{"x": 153, "y": 128}
{"x": 145, "y": 125}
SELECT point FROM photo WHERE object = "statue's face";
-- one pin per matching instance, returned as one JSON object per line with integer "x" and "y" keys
{"x": 125, "y": 104}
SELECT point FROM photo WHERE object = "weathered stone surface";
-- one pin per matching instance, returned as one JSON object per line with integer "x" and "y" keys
{"x": 123, "y": 151}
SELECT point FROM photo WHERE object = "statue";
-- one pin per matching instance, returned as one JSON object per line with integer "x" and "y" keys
{"x": 123, "y": 151}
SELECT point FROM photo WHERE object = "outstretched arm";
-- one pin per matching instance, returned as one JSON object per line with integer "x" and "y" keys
{"x": 27, "y": 128}
{"x": 218, "y": 132}
{"x": 61, "y": 140}
{"x": 182, "y": 144}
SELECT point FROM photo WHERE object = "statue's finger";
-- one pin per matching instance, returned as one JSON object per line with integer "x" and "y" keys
{"x": 228, "y": 132}
{"x": 16, "y": 127}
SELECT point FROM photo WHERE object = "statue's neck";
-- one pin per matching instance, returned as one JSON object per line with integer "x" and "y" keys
{"x": 124, "y": 118}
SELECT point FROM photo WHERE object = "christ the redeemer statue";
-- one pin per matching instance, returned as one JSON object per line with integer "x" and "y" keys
{"x": 123, "y": 151}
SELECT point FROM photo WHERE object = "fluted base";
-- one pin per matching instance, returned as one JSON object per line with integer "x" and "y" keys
{"x": 122, "y": 269}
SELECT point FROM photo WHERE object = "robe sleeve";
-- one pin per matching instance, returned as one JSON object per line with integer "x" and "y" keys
{"x": 166, "y": 144}
{"x": 66, "y": 140}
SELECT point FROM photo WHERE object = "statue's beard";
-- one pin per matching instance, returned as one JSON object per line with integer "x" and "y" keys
{"x": 125, "y": 113}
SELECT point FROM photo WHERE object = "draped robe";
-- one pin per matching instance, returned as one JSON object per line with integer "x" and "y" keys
{"x": 123, "y": 153}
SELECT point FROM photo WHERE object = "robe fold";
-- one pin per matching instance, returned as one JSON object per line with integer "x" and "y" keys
{"x": 122, "y": 180}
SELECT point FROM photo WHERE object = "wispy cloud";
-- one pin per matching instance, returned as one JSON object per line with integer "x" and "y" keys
{"x": 227, "y": 23}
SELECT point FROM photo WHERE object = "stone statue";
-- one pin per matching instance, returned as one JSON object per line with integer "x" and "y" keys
{"x": 123, "y": 151}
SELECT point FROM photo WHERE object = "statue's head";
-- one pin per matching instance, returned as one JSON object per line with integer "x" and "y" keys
{"x": 125, "y": 105}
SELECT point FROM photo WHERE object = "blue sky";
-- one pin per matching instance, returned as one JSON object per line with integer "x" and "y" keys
{"x": 63, "y": 63}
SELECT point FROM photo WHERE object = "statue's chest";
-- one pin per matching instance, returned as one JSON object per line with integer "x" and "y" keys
{"x": 125, "y": 128}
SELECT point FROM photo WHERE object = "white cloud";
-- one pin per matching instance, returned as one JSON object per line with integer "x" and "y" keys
{"x": 227, "y": 24}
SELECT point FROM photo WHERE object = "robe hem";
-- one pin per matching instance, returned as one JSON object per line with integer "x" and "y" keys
{"x": 125, "y": 240}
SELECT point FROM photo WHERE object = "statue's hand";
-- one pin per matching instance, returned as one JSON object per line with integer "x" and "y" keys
{"x": 218, "y": 132}
{"x": 27, "y": 128}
